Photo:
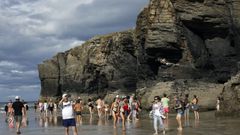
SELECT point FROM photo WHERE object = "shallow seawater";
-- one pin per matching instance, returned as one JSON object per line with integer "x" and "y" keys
{"x": 208, "y": 125}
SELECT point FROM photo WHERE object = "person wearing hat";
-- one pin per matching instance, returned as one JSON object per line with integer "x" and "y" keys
{"x": 68, "y": 115}
{"x": 157, "y": 109}
{"x": 19, "y": 110}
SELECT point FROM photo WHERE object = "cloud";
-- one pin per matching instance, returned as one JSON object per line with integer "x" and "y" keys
{"x": 27, "y": 92}
{"x": 33, "y": 31}
{"x": 8, "y": 64}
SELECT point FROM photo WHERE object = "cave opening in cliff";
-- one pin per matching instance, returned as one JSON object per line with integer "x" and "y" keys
{"x": 155, "y": 55}
{"x": 154, "y": 65}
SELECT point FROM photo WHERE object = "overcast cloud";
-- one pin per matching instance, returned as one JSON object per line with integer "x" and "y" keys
{"x": 34, "y": 30}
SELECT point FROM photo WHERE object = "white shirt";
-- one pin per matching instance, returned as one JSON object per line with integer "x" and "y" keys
{"x": 45, "y": 106}
{"x": 157, "y": 109}
{"x": 67, "y": 111}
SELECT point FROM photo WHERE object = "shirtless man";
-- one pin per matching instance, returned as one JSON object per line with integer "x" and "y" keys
{"x": 100, "y": 105}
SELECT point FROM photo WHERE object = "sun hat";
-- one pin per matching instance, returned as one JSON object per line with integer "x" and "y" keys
{"x": 17, "y": 97}
{"x": 64, "y": 95}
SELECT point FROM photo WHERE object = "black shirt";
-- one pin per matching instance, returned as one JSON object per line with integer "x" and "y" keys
{"x": 17, "y": 107}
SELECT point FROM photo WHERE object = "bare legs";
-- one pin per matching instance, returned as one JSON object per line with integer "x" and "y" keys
{"x": 179, "y": 121}
{"x": 196, "y": 114}
{"x": 74, "y": 129}
{"x": 123, "y": 121}
{"x": 155, "y": 124}
{"x": 115, "y": 117}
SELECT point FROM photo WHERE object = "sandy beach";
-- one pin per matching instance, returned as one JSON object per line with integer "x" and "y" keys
{"x": 208, "y": 125}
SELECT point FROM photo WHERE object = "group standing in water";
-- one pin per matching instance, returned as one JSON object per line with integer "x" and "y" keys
{"x": 160, "y": 110}
{"x": 120, "y": 110}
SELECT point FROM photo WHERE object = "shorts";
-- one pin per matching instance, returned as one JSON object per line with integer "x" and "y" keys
{"x": 180, "y": 112}
{"x": 78, "y": 113}
{"x": 18, "y": 118}
{"x": 166, "y": 110}
{"x": 195, "y": 107}
{"x": 69, "y": 122}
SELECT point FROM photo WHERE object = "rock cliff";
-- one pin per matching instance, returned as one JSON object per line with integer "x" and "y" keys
{"x": 183, "y": 46}
{"x": 229, "y": 105}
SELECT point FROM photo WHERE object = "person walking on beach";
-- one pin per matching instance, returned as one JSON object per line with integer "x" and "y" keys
{"x": 179, "y": 109}
{"x": 165, "y": 103}
{"x": 19, "y": 110}
{"x": 50, "y": 107}
{"x": 45, "y": 108}
{"x": 41, "y": 108}
{"x": 100, "y": 105}
{"x": 158, "y": 115}
{"x": 130, "y": 106}
{"x": 134, "y": 107}
{"x": 90, "y": 106}
{"x": 122, "y": 112}
{"x": 10, "y": 109}
{"x": 186, "y": 109}
{"x": 115, "y": 112}
{"x": 68, "y": 115}
{"x": 195, "y": 107}
{"x": 78, "y": 107}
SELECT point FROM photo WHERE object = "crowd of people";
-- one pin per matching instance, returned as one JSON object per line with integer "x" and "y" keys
{"x": 121, "y": 109}
{"x": 124, "y": 108}
{"x": 182, "y": 106}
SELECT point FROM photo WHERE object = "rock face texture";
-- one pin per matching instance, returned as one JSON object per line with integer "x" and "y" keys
{"x": 102, "y": 63}
{"x": 231, "y": 97}
{"x": 192, "y": 41}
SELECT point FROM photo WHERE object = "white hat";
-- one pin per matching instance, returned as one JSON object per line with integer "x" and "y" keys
{"x": 117, "y": 96}
{"x": 64, "y": 95}
{"x": 17, "y": 97}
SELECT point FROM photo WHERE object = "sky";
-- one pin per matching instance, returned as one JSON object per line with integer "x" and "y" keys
{"x": 32, "y": 31}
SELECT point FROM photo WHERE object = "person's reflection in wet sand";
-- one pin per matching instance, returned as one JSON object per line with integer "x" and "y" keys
{"x": 115, "y": 132}
{"x": 186, "y": 122}
{"x": 24, "y": 121}
{"x": 196, "y": 123}
{"x": 179, "y": 132}
{"x": 51, "y": 120}
{"x": 90, "y": 120}
{"x": 100, "y": 122}
{"x": 136, "y": 123}
{"x": 165, "y": 122}
{"x": 106, "y": 122}
{"x": 41, "y": 121}
{"x": 46, "y": 122}
{"x": 55, "y": 120}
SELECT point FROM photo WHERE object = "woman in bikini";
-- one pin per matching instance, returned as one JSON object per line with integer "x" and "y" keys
{"x": 115, "y": 112}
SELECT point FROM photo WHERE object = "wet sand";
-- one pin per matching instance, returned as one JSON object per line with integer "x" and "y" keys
{"x": 208, "y": 125}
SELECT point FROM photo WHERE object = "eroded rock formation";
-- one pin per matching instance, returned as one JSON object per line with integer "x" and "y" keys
{"x": 174, "y": 40}
{"x": 229, "y": 106}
